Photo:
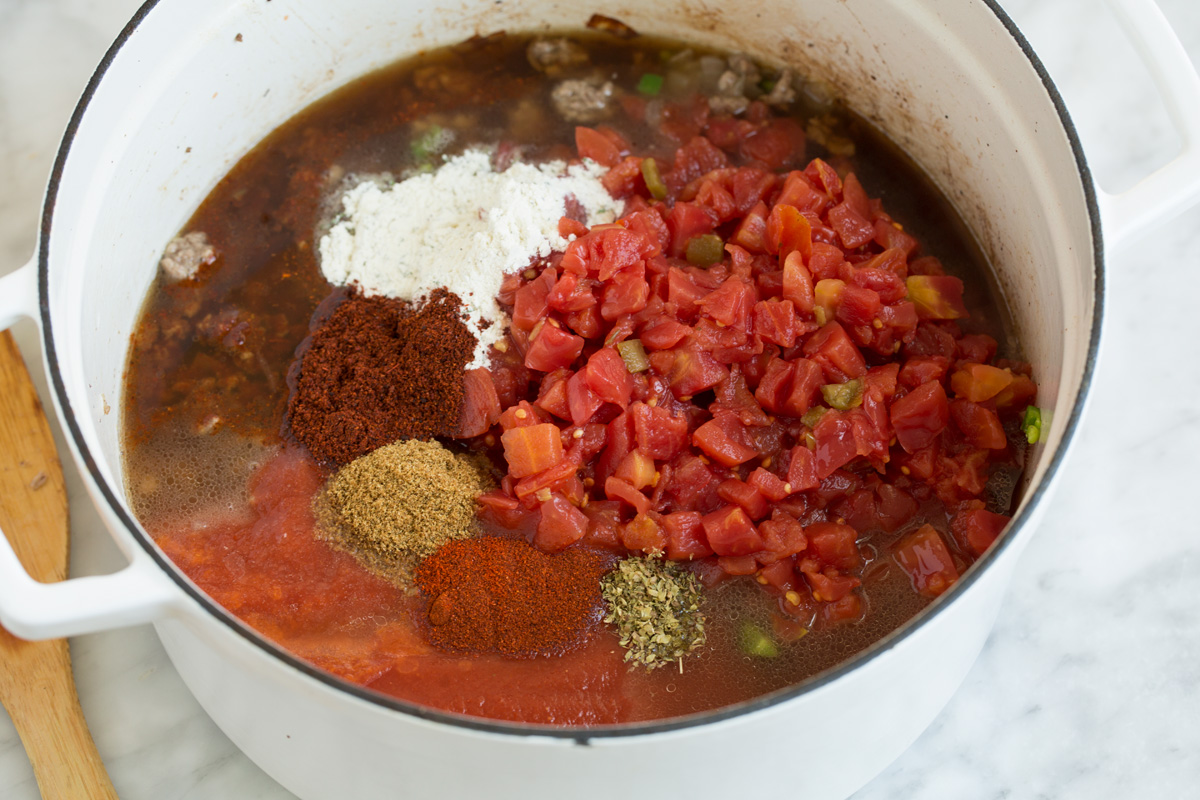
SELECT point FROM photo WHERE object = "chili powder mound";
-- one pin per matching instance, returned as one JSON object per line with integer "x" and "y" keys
{"x": 496, "y": 594}
{"x": 379, "y": 370}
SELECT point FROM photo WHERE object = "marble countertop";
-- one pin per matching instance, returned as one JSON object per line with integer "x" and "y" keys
{"x": 1089, "y": 687}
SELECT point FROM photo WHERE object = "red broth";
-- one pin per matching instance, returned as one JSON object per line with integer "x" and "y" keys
{"x": 216, "y": 480}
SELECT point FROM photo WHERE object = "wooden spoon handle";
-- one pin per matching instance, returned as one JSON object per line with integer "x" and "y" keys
{"x": 36, "y": 684}
{"x": 50, "y": 722}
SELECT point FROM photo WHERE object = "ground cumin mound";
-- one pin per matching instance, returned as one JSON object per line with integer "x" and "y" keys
{"x": 400, "y": 503}
{"x": 379, "y": 370}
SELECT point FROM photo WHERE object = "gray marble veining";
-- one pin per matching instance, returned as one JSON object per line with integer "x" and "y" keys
{"x": 1089, "y": 687}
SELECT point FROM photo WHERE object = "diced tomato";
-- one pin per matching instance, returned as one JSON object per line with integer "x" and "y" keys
{"x": 604, "y": 523}
{"x": 745, "y": 495}
{"x": 797, "y": 284}
{"x": 896, "y": 507}
{"x": 751, "y": 232}
{"x": 978, "y": 347}
{"x": 788, "y": 231}
{"x": 558, "y": 477}
{"x": 663, "y": 334}
{"x": 552, "y": 348}
{"x": 617, "y": 489}
{"x": 693, "y": 484}
{"x": 659, "y": 434}
{"x": 481, "y": 404}
{"x": 976, "y": 529}
{"x": 783, "y": 535}
{"x": 776, "y": 385}
{"x": 638, "y": 470}
{"x": 779, "y": 575}
{"x": 693, "y": 370}
{"x": 923, "y": 555}
{"x": 608, "y": 376}
{"x": 626, "y": 293}
{"x": 936, "y": 297}
{"x": 836, "y": 443}
{"x": 855, "y": 197}
{"x": 826, "y": 261}
{"x": 552, "y": 394}
{"x": 852, "y": 228}
{"x": 685, "y": 221}
{"x": 922, "y": 369}
{"x": 834, "y": 544}
{"x": 776, "y": 145}
{"x": 724, "y": 440}
{"x": 847, "y": 608}
{"x": 798, "y": 191}
{"x": 979, "y": 424}
{"x": 858, "y": 306}
{"x": 828, "y": 586}
{"x": 822, "y": 174}
{"x": 775, "y": 322}
{"x": 582, "y": 402}
{"x": 806, "y": 383}
{"x": 889, "y": 286}
{"x": 730, "y": 532}
{"x": 685, "y": 536}
{"x": 561, "y": 525}
{"x": 979, "y": 382}
{"x": 568, "y": 228}
{"x": 1019, "y": 394}
{"x": 738, "y": 565}
{"x": 522, "y": 415}
{"x": 571, "y": 293}
{"x": 530, "y": 306}
{"x": 802, "y": 472}
{"x": 768, "y": 484}
{"x": 729, "y": 304}
{"x": 920, "y": 416}
{"x": 835, "y": 354}
{"x": 595, "y": 145}
{"x": 644, "y": 534}
{"x": 586, "y": 323}
{"x": 531, "y": 449}
{"x": 719, "y": 429}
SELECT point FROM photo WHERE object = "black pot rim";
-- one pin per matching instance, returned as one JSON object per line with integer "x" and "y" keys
{"x": 579, "y": 735}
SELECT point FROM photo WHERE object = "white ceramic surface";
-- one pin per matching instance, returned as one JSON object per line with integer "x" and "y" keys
{"x": 12, "y": 122}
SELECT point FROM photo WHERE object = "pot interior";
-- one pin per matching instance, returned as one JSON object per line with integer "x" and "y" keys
{"x": 191, "y": 90}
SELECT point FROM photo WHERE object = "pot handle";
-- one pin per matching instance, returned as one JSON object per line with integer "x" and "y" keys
{"x": 1175, "y": 187}
{"x": 33, "y": 610}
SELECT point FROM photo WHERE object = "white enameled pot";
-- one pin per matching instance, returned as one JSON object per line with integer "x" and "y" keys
{"x": 188, "y": 88}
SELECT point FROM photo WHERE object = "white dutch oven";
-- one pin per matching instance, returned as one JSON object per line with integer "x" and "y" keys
{"x": 177, "y": 100}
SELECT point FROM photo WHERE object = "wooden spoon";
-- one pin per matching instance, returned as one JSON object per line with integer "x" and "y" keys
{"x": 36, "y": 685}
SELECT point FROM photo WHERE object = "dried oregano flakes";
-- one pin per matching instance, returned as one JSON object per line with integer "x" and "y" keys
{"x": 655, "y": 607}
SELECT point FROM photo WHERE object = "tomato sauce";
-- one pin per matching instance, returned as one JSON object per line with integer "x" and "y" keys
{"x": 217, "y": 481}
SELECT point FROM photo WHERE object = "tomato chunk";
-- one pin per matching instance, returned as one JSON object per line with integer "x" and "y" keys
{"x": 561, "y": 525}
{"x": 730, "y": 532}
{"x": 552, "y": 348}
{"x": 924, "y": 556}
{"x": 724, "y": 440}
{"x": 920, "y": 416}
{"x": 531, "y": 449}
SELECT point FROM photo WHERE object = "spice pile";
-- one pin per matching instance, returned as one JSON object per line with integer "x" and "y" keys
{"x": 655, "y": 606}
{"x": 504, "y": 595}
{"x": 379, "y": 370}
{"x": 401, "y": 502}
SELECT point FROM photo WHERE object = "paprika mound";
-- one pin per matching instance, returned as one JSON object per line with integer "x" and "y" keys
{"x": 502, "y": 595}
{"x": 379, "y": 370}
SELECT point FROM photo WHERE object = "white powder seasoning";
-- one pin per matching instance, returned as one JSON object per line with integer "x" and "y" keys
{"x": 462, "y": 227}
